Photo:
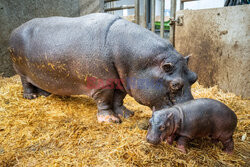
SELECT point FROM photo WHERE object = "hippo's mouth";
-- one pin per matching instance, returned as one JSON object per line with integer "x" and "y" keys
{"x": 163, "y": 137}
{"x": 176, "y": 97}
{"x": 170, "y": 99}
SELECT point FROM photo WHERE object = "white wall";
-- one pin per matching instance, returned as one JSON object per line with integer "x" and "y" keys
{"x": 202, "y": 4}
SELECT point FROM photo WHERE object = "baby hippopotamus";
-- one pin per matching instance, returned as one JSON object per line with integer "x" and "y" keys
{"x": 196, "y": 118}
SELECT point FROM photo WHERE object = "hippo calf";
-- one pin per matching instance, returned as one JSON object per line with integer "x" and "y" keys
{"x": 102, "y": 56}
{"x": 192, "y": 119}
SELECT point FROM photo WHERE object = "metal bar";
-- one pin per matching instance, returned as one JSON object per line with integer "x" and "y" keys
{"x": 120, "y": 8}
{"x": 181, "y": 5}
{"x": 188, "y": 0}
{"x": 112, "y": 5}
{"x": 153, "y": 15}
{"x": 145, "y": 14}
{"x": 101, "y": 6}
{"x": 172, "y": 27}
{"x": 137, "y": 11}
{"x": 162, "y": 18}
{"x": 107, "y": 1}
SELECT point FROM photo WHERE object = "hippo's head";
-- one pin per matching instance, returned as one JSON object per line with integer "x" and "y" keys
{"x": 167, "y": 81}
{"x": 161, "y": 125}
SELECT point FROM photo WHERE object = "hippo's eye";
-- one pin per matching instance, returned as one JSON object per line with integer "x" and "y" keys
{"x": 167, "y": 67}
{"x": 162, "y": 128}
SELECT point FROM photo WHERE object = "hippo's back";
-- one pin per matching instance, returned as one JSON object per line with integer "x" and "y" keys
{"x": 58, "y": 53}
{"x": 207, "y": 116}
{"x": 58, "y": 34}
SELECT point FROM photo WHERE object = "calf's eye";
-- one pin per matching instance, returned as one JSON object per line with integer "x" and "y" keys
{"x": 162, "y": 127}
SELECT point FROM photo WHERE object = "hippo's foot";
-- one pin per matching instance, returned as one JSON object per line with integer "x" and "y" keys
{"x": 123, "y": 112}
{"x": 228, "y": 145}
{"x": 107, "y": 116}
{"x": 29, "y": 90}
{"x": 41, "y": 92}
{"x": 29, "y": 95}
{"x": 181, "y": 143}
{"x": 182, "y": 148}
{"x": 118, "y": 106}
{"x": 38, "y": 92}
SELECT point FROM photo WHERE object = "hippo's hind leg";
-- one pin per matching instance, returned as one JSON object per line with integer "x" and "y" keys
{"x": 104, "y": 100}
{"x": 118, "y": 106}
{"x": 41, "y": 92}
{"x": 30, "y": 91}
{"x": 228, "y": 145}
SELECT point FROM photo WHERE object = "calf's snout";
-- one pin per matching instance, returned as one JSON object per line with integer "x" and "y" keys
{"x": 153, "y": 139}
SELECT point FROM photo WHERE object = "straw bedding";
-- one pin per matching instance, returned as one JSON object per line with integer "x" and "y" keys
{"x": 63, "y": 131}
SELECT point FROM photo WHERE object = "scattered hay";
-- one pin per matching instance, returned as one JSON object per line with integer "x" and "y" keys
{"x": 64, "y": 131}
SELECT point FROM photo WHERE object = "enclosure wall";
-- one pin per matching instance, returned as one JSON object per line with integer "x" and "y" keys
{"x": 218, "y": 40}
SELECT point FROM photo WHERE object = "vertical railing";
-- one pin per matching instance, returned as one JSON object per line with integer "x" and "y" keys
{"x": 153, "y": 15}
{"x": 137, "y": 11}
{"x": 172, "y": 26}
{"x": 145, "y": 7}
{"x": 162, "y": 18}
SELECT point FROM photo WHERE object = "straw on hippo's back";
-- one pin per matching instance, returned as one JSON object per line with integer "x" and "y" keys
{"x": 192, "y": 119}
{"x": 97, "y": 55}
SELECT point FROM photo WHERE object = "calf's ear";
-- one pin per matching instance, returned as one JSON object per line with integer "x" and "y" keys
{"x": 170, "y": 116}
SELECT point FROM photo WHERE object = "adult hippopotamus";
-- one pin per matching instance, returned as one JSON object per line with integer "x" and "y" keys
{"x": 195, "y": 118}
{"x": 102, "y": 56}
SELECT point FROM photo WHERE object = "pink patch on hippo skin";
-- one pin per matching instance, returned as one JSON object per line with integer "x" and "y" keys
{"x": 182, "y": 148}
{"x": 170, "y": 140}
{"x": 108, "y": 118}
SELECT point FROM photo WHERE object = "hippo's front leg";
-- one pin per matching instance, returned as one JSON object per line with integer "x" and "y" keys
{"x": 118, "y": 106}
{"x": 104, "y": 100}
{"x": 171, "y": 139}
{"x": 181, "y": 143}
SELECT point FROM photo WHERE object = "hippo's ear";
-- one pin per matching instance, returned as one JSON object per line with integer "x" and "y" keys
{"x": 170, "y": 116}
{"x": 187, "y": 58}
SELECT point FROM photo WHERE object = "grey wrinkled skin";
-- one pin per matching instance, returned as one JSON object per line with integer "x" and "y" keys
{"x": 193, "y": 119}
{"x": 60, "y": 55}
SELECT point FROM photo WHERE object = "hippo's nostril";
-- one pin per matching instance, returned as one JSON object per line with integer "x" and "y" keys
{"x": 152, "y": 141}
{"x": 176, "y": 84}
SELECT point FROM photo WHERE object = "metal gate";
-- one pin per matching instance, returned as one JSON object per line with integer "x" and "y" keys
{"x": 148, "y": 16}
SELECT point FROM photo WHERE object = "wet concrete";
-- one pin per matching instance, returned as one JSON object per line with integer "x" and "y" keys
{"x": 218, "y": 40}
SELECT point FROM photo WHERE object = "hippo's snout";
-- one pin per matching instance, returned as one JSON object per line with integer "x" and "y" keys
{"x": 176, "y": 84}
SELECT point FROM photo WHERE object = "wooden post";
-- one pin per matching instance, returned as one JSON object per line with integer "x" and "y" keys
{"x": 172, "y": 27}
{"x": 153, "y": 15}
{"x": 137, "y": 11}
{"x": 162, "y": 18}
